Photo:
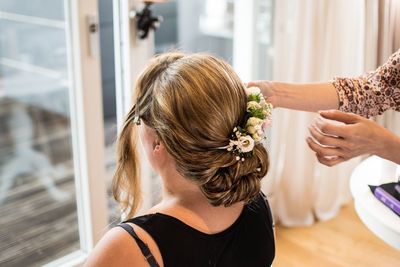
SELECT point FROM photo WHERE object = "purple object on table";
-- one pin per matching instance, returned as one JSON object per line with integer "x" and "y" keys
{"x": 386, "y": 194}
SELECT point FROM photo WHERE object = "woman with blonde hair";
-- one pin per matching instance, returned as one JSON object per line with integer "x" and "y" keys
{"x": 202, "y": 132}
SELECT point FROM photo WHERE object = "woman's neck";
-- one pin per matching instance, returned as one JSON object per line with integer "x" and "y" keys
{"x": 183, "y": 199}
{"x": 181, "y": 191}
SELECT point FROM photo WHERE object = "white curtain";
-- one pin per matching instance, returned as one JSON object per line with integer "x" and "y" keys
{"x": 315, "y": 40}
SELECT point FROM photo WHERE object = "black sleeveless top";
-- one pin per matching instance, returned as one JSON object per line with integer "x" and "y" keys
{"x": 248, "y": 242}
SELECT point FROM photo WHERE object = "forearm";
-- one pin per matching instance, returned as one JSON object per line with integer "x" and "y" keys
{"x": 390, "y": 149}
{"x": 306, "y": 97}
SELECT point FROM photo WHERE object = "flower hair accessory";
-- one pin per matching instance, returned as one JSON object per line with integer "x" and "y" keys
{"x": 258, "y": 117}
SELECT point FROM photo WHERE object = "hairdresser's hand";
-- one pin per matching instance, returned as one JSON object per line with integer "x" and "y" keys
{"x": 267, "y": 89}
{"x": 354, "y": 137}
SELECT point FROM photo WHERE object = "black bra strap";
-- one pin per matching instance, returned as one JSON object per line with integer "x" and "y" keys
{"x": 271, "y": 219}
{"x": 143, "y": 246}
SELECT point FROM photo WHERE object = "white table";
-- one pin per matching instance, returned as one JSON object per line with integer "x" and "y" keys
{"x": 375, "y": 215}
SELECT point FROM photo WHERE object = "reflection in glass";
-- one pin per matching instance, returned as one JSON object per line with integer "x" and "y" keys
{"x": 38, "y": 220}
{"x": 196, "y": 26}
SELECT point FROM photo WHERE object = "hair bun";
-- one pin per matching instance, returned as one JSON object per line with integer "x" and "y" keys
{"x": 241, "y": 181}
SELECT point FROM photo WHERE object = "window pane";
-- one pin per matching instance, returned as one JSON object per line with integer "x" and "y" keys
{"x": 45, "y": 9}
{"x": 38, "y": 220}
{"x": 196, "y": 26}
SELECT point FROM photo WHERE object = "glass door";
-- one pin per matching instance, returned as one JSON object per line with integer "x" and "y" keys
{"x": 50, "y": 132}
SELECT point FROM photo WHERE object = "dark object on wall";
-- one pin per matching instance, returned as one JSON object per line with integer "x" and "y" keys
{"x": 146, "y": 21}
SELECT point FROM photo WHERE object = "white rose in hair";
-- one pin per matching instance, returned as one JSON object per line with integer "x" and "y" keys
{"x": 245, "y": 143}
{"x": 251, "y": 129}
{"x": 253, "y": 121}
{"x": 267, "y": 113}
{"x": 253, "y": 105}
{"x": 252, "y": 91}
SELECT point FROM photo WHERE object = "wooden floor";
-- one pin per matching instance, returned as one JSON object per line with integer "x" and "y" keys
{"x": 343, "y": 241}
{"x": 35, "y": 228}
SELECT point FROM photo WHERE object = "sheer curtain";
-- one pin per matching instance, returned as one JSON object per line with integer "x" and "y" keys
{"x": 315, "y": 40}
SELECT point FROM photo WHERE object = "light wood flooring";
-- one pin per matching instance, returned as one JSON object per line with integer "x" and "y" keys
{"x": 343, "y": 241}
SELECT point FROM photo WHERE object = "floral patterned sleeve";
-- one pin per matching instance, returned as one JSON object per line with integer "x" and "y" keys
{"x": 373, "y": 93}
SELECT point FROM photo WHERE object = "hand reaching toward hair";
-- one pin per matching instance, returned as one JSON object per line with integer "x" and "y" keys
{"x": 335, "y": 142}
{"x": 267, "y": 89}
{"x": 299, "y": 96}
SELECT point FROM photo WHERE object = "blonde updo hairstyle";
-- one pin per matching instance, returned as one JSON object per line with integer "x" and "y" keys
{"x": 193, "y": 102}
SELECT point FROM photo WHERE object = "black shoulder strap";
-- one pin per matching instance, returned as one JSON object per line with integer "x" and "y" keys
{"x": 270, "y": 217}
{"x": 143, "y": 246}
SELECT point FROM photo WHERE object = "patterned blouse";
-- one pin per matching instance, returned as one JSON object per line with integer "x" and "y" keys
{"x": 372, "y": 93}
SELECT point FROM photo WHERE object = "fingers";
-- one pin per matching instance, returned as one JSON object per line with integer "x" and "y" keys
{"x": 332, "y": 161}
{"x": 265, "y": 86}
{"x": 330, "y": 128}
{"x": 325, "y": 140}
{"x": 267, "y": 89}
{"x": 348, "y": 118}
{"x": 323, "y": 151}
{"x": 326, "y": 155}
{"x": 256, "y": 83}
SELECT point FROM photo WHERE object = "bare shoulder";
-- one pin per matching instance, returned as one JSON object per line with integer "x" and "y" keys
{"x": 118, "y": 248}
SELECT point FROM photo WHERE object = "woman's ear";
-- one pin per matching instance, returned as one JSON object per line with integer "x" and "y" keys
{"x": 158, "y": 146}
{"x": 160, "y": 157}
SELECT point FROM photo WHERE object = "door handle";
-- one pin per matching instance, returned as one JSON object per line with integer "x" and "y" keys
{"x": 93, "y": 26}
